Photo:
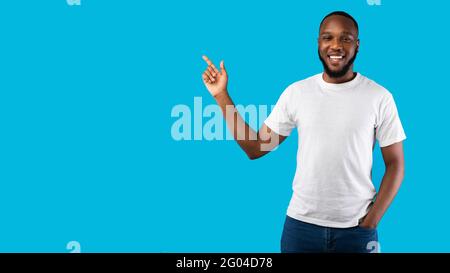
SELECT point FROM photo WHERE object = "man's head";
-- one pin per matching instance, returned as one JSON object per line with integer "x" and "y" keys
{"x": 338, "y": 43}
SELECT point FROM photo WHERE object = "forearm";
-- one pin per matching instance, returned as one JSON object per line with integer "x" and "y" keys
{"x": 389, "y": 187}
{"x": 246, "y": 137}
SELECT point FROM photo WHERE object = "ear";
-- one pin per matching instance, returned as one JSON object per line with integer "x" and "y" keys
{"x": 357, "y": 45}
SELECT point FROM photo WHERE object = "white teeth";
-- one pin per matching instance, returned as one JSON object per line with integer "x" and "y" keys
{"x": 336, "y": 57}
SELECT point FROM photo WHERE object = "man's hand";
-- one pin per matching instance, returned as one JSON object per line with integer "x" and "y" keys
{"x": 215, "y": 81}
{"x": 367, "y": 223}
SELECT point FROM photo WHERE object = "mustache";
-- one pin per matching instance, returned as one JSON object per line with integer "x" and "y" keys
{"x": 340, "y": 73}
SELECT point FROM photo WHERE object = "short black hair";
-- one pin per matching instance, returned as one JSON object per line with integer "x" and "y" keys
{"x": 342, "y": 13}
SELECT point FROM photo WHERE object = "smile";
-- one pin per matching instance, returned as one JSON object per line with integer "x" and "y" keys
{"x": 336, "y": 59}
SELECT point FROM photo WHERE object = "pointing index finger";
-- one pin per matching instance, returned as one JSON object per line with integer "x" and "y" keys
{"x": 208, "y": 61}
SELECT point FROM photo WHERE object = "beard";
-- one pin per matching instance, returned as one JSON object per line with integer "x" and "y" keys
{"x": 339, "y": 73}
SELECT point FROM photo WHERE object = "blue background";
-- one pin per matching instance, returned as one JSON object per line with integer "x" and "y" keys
{"x": 86, "y": 94}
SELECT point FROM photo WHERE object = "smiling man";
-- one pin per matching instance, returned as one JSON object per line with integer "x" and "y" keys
{"x": 339, "y": 114}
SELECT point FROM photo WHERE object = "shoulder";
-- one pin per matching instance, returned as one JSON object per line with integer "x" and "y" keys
{"x": 375, "y": 89}
{"x": 305, "y": 83}
{"x": 301, "y": 86}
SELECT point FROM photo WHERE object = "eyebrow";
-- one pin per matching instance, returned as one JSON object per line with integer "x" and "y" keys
{"x": 347, "y": 33}
{"x": 344, "y": 32}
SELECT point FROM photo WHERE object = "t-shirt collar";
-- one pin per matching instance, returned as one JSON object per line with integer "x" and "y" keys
{"x": 339, "y": 86}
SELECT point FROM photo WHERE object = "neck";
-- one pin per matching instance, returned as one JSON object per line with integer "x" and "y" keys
{"x": 350, "y": 75}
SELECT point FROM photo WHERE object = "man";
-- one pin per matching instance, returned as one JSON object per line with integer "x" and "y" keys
{"x": 339, "y": 115}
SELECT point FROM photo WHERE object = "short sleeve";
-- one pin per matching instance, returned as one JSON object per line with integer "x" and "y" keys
{"x": 279, "y": 120}
{"x": 389, "y": 129}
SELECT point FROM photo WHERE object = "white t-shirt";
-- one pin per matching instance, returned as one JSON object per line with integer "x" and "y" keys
{"x": 337, "y": 125}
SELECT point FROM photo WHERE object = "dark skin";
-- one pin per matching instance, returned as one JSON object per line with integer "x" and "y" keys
{"x": 338, "y": 38}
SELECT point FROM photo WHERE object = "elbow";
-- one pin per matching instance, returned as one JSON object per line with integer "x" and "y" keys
{"x": 254, "y": 152}
{"x": 253, "y": 156}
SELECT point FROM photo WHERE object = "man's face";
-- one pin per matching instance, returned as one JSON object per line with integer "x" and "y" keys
{"x": 338, "y": 45}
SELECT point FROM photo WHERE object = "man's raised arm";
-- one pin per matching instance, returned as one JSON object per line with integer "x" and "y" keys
{"x": 255, "y": 144}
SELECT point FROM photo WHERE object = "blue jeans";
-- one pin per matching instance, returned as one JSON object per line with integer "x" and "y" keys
{"x": 301, "y": 237}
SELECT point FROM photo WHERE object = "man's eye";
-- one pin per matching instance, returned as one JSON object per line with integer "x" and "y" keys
{"x": 346, "y": 39}
{"x": 327, "y": 38}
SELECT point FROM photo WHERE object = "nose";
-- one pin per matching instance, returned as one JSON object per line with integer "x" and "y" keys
{"x": 336, "y": 44}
